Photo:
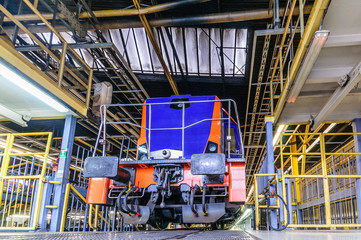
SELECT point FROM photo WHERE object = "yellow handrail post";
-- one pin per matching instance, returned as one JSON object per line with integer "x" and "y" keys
{"x": 65, "y": 207}
{"x": 41, "y": 180}
{"x": 294, "y": 164}
{"x": 326, "y": 188}
{"x": 283, "y": 179}
{"x": 95, "y": 216}
{"x": 90, "y": 216}
{"x": 256, "y": 202}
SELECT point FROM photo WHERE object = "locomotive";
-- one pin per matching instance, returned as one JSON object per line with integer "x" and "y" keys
{"x": 189, "y": 165}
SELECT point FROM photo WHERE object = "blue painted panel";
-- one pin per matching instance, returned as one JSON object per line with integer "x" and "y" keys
{"x": 165, "y": 117}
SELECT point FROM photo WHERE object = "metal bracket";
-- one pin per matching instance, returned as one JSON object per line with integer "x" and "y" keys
{"x": 69, "y": 16}
{"x": 343, "y": 80}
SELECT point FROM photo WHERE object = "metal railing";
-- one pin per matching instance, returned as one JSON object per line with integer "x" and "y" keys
{"x": 76, "y": 169}
{"x": 272, "y": 180}
{"x": 322, "y": 196}
{"x": 231, "y": 105}
{"x": 22, "y": 179}
{"x": 316, "y": 192}
{"x": 80, "y": 217}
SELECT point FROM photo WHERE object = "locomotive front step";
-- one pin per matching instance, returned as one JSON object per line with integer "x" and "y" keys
{"x": 214, "y": 212}
{"x": 141, "y": 218}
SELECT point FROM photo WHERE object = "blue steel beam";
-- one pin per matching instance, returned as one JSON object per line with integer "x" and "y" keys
{"x": 62, "y": 173}
{"x": 356, "y": 126}
{"x": 271, "y": 167}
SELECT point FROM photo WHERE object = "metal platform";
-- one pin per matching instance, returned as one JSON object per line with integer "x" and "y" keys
{"x": 190, "y": 234}
{"x": 171, "y": 234}
{"x": 307, "y": 235}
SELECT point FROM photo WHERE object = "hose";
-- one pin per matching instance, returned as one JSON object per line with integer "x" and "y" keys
{"x": 130, "y": 211}
{"x": 204, "y": 205}
{"x": 268, "y": 196}
{"x": 191, "y": 201}
{"x": 119, "y": 201}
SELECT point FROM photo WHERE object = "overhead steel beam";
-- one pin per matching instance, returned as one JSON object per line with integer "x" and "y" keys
{"x": 73, "y": 45}
{"x": 151, "y": 37}
{"x": 227, "y": 17}
{"x": 69, "y": 16}
{"x": 114, "y": 12}
{"x": 229, "y": 80}
{"x": 352, "y": 79}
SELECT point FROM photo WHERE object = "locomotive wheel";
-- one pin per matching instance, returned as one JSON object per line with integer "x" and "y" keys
{"x": 219, "y": 226}
{"x": 159, "y": 223}
{"x": 162, "y": 224}
{"x": 141, "y": 227}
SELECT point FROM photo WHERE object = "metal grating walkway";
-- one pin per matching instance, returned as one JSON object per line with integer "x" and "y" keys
{"x": 171, "y": 234}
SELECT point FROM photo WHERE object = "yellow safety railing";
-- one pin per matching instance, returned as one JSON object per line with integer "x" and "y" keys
{"x": 322, "y": 178}
{"x": 22, "y": 178}
{"x": 79, "y": 216}
{"x": 273, "y": 181}
{"x": 65, "y": 78}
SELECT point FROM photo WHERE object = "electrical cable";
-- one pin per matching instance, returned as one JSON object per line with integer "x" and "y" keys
{"x": 269, "y": 196}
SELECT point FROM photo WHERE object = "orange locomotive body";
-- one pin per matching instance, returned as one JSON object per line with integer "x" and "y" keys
{"x": 189, "y": 166}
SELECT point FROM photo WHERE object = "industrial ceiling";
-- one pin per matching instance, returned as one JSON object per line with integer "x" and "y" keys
{"x": 206, "y": 48}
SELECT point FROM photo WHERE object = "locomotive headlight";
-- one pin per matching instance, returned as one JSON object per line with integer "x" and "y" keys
{"x": 142, "y": 152}
{"x": 212, "y": 147}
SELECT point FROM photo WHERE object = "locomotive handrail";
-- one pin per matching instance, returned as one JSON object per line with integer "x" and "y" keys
{"x": 103, "y": 111}
{"x": 177, "y": 128}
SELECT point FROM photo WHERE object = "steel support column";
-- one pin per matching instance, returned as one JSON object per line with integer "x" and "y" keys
{"x": 62, "y": 173}
{"x": 356, "y": 126}
{"x": 289, "y": 200}
{"x": 271, "y": 166}
{"x": 280, "y": 192}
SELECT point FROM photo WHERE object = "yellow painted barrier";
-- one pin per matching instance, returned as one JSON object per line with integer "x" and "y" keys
{"x": 22, "y": 178}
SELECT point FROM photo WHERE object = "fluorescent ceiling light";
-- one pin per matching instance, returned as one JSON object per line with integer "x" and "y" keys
{"x": 13, "y": 116}
{"x": 278, "y": 133}
{"x": 30, "y": 88}
{"x": 309, "y": 60}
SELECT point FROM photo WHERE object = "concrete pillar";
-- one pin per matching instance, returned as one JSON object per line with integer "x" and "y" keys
{"x": 356, "y": 126}
{"x": 62, "y": 174}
